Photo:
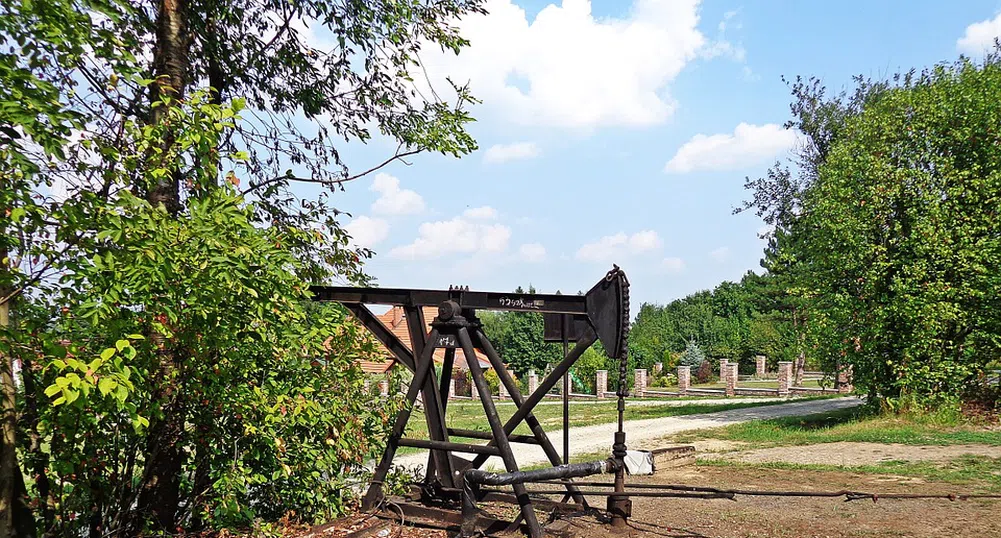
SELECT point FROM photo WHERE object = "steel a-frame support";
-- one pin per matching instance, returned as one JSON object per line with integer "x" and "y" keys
{"x": 461, "y": 331}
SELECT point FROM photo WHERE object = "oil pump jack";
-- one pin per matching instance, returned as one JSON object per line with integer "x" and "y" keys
{"x": 452, "y": 485}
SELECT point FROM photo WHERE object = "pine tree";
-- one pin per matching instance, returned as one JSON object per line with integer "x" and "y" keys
{"x": 693, "y": 355}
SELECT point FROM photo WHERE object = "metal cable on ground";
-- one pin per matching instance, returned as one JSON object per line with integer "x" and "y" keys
{"x": 702, "y": 492}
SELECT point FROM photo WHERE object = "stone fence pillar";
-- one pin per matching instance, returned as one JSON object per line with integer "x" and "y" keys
{"x": 601, "y": 383}
{"x": 731, "y": 379}
{"x": 384, "y": 388}
{"x": 451, "y": 388}
{"x": 684, "y": 379}
{"x": 785, "y": 376}
{"x": 761, "y": 366}
{"x": 533, "y": 381}
{"x": 845, "y": 380}
{"x": 722, "y": 369}
{"x": 502, "y": 393}
{"x": 639, "y": 382}
{"x": 474, "y": 392}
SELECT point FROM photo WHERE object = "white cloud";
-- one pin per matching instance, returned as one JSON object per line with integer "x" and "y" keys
{"x": 748, "y": 145}
{"x": 393, "y": 200}
{"x": 610, "y": 247}
{"x": 979, "y": 36}
{"x": 367, "y": 231}
{"x": 673, "y": 265}
{"x": 480, "y": 213}
{"x": 720, "y": 254}
{"x": 721, "y": 46}
{"x": 459, "y": 235}
{"x": 532, "y": 252}
{"x": 567, "y": 68}
{"x": 501, "y": 153}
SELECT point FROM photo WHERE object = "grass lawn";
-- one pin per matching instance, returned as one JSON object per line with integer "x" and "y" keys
{"x": 853, "y": 425}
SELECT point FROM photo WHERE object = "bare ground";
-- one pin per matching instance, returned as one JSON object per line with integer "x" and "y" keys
{"x": 780, "y": 517}
{"x": 844, "y": 453}
{"x": 783, "y": 517}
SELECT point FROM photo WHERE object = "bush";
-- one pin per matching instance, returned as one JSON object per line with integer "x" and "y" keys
{"x": 704, "y": 373}
{"x": 665, "y": 380}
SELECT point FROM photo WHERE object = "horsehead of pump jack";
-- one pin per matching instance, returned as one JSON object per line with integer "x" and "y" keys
{"x": 602, "y": 314}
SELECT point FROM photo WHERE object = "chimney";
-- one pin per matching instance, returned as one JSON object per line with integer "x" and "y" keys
{"x": 397, "y": 315}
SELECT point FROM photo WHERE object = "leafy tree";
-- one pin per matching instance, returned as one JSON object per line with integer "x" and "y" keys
{"x": 103, "y": 115}
{"x": 585, "y": 369}
{"x": 901, "y": 233}
{"x": 650, "y": 339}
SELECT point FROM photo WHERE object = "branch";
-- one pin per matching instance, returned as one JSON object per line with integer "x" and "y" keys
{"x": 330, "y": 182}
{"x": 50, "y": 261}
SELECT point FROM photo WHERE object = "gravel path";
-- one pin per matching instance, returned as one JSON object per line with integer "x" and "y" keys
{"x": 644, "y": 434}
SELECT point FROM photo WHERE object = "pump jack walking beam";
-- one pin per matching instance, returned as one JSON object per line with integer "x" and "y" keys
{"x": 602, "y": 314}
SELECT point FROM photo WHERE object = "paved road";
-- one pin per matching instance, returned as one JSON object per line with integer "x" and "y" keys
{"x": 645, "y": 434}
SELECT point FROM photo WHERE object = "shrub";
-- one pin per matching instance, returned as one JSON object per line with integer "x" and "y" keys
{"x": 704, "y": 373}
{"x": 665, "y": 380}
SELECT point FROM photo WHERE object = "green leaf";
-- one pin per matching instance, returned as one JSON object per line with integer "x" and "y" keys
{"x": 106, "y": 385}
{"x": 108, "y": 353}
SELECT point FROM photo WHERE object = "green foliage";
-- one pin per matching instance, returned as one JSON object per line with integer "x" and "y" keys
{"x": 736, "y": 320}
{"x": 887, "y": 238}
{"x": 587, "y": 365}
{"x": 278, "y": 415}
{"x": 131, "y": 320}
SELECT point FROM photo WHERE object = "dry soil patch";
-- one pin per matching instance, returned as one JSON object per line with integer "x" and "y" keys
{"x": 851, "y": 454}
{"x": 790, "y": 517}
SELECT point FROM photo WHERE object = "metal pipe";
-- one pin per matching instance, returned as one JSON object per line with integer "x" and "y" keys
{"x": 573, "y": 470}
{"x": 645, "y": 493}
{"x": 471, "y": 477}
{"x": 566, "y": 394}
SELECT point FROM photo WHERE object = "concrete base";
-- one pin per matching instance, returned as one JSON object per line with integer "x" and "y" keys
{"x": 673, "y": 456}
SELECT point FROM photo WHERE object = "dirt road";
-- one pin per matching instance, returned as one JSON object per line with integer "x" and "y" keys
{"x": 644, "y": 434}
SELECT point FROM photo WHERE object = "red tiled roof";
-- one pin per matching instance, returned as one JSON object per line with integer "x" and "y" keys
{"x": 395, "y": 319}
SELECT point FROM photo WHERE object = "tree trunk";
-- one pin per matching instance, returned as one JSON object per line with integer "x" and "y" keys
{"x": 8, "y": 454}
{"x": 16, "y": 518}
{"x": 38, "y": 459}
{"x": 159, "y": 495}
{"x": 170, "y": 65}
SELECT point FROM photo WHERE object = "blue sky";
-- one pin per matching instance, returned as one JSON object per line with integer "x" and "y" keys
{"x": 621, "y": 132}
